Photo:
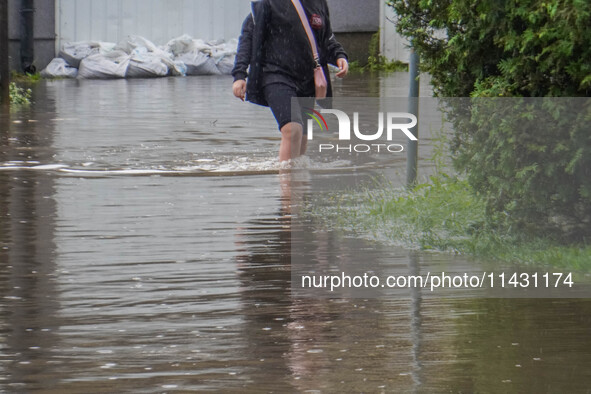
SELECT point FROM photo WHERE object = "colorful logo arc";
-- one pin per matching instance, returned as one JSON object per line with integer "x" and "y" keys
{"x": 318, "y": 118}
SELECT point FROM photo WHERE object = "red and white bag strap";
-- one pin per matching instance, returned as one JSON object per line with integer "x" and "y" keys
{"x": 304, "y": 18}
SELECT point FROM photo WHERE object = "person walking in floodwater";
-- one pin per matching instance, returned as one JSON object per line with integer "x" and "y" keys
{"x": 275, "y": 63}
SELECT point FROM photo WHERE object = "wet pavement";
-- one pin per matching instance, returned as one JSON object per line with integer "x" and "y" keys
{"x": 145, "y": 247}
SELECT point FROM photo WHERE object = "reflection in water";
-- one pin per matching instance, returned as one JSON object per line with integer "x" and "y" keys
{"x": 279, "y": 328}
{"x": 27, "y": 258}
{"x": 116, "y": 283}
{"x": 526, "y": 345}
{"x": 416, "y": 321}
{"x": 322, "y": 344}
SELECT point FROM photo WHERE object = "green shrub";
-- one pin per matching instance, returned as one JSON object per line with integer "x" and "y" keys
{"x": 530, "y": 159}
{"x": 502, "y": 47}
{"x": 534, "y": 179}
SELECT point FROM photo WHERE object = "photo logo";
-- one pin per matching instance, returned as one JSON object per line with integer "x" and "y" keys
{"x": 390, "y": 123}
{"x": 317, "y": 116}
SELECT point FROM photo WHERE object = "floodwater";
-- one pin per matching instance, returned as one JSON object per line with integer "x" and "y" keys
{"x": 145, "y": 248}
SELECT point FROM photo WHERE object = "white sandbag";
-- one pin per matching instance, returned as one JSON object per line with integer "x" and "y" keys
{"x": 180, "y": 45}
{"x": 74, "y": 52}
{"x": 230, "y": 47}
{"x": 199, "y": 63}
{"x": 59, "y": 68}
{"x": 148, "y": 60}
{"x": 146, "y": 65}
{"x": 110, "y": 65}
{"x": 224, "y": 55}
{"x": 179, "y": 69}
{"x": 203, "y": 46}
{"x": 134, "y": 42}
{"x": 225, "y": 64}
{"x": 215, "y": 43}
{"x": 186, "y": 44}
{"x": 175, "y": 67}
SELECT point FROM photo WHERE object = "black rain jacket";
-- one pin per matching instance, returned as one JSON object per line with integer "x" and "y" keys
{"x": 281, "y": 47}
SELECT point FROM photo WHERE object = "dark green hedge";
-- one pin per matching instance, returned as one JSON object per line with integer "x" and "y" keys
{"x": 533, "y": 178}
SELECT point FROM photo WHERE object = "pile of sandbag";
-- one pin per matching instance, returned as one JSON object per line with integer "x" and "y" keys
{"x": 137, "y": 57}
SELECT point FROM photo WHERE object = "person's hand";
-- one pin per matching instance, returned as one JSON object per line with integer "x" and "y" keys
{"x": 343, "y": 65}
{"x": 239, "y": 88}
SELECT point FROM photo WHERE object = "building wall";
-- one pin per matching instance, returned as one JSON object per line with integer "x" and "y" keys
{"x": 157, "y": 20}
{"x": 44, "y": 33}
{"x": 393, "y": 46}
{"x": 58, "y": 21}
{"x": 354, "y": 23}
{"x": 354, "y": 16}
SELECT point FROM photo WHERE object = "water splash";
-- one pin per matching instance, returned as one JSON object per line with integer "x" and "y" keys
{"x": 214, "y": 166}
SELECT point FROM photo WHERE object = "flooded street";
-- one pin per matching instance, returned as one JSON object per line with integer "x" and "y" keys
{"x": 145, "y": 248}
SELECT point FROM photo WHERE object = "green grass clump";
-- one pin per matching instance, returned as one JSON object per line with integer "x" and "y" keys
{"x": 376, "y": 61}
{"x": 24, "y": 78}
{"x": 381, "y": 64}
{"x": 427, "y": 217}
{"x": 446, "y": 215}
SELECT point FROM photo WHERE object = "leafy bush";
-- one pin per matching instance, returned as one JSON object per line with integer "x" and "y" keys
{"x": 533, "y": 178}
{"x": 530, "y": 159}
{"x": 19, "y": 96}
{"x": 503, "y": 47}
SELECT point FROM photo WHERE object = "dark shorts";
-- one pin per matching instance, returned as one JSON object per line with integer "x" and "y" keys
{"x": 279, "y": 97}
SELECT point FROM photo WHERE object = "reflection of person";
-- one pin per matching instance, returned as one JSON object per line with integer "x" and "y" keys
{"x": 275, "y": 46}
{"x": 284, "y": 335}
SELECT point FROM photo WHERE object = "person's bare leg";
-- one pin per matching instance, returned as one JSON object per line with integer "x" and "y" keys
{"x": 304, "y": 145}
{"x": 291, "y": 141}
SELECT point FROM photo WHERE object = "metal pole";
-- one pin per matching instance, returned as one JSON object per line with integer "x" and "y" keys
{"x": 412, "y": 150}
{"x": 416, "y": 330}
{"x": 27, "y": 36}
{"x": 4, "y": 65}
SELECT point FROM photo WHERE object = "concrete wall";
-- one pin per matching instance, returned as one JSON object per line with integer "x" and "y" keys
{"x": 157, "y": 20}
{"x": 354, "y": 16}
{"x": 44, "y": 33}
{"x": 393, "y": 46}
{"x": 354, "y": 23}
